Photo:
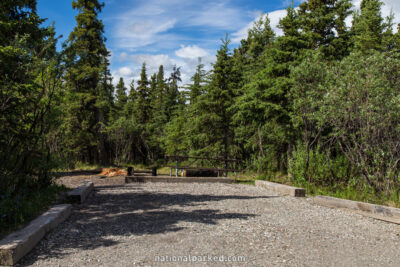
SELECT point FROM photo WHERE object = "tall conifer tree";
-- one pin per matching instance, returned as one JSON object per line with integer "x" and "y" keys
{"x": 121, "y": 96}
{"x": 212, "y": 131}
{"x": 142, "y": 104}
{"x": 86, "y": 57}
{"x": 368, "y": 27}
{"x": 323, "y": 23}
{"x": 198, "y": 78}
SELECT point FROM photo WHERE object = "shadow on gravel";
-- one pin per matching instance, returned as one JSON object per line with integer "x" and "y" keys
{"x": 77, "y": 173}
{"x": 133, "y": 213}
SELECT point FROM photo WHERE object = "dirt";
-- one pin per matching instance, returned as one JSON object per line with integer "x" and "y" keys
{"x": 242, "y": 225}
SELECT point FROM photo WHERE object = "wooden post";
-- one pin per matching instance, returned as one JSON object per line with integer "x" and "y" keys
{"x": 154, "y": 171}
{"x": 176, "y": 170}
{"x": 226, "y": 168}
{"x": 130, "y": 171}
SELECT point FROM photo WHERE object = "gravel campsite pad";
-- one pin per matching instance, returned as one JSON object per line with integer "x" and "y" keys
{"x": 211, "y": 224}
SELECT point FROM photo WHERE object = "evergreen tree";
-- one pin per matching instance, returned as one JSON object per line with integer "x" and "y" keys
{"x": 142, "y": 104}
{"x": 396, "y": 39}
{"x": 161, "y": 87}
{"x": 262, "y": 112}
{"x": 260, "y": 36}
{"x": 171, "y": 98}
{"x": 323, "y": 23}
{"x": 86, "y": 57}
{"x": 153, "y": 94}
{"x": 212, "y": 132}
{"x": 121, "y": 96}
{"x": 132, "y": 91}
{"x": 388, "y": 38}
{"x": 197, "y": 88}
{"x": 368, "y": 27}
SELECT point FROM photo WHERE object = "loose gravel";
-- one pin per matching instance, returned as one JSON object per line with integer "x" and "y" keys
{"x": 204, "y": 224}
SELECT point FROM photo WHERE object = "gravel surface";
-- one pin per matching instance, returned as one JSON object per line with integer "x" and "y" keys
{"x": 149, "y": 224}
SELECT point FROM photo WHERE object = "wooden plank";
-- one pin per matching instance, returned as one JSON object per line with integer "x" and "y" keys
{"x": 18, "y": 244}
{"x": 152, "y": 179}
{"x": 282, "y": 189}
{"x": 188, "y": 157}
{"x": 201, "y": 168}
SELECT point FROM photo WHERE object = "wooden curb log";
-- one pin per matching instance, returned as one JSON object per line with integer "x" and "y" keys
{"x": 79, "y": 194}
{"x": 379, "y": 212}
{"x": 18, "y": 244}
{"x": 167, "y": 179}
{"x": 282, "y": 189}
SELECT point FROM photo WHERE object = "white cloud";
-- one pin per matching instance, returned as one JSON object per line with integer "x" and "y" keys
{"x": 152, "y": 61}
{"x": 191, "y": 52}
{"x": 151, "y": 22}
{"x": 136, "y": 34}
{"x": 125, "y": 71}
{"x": 219, "y": 15}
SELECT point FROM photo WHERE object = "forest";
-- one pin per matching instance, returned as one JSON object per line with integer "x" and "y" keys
{"x": 319, "y": 104}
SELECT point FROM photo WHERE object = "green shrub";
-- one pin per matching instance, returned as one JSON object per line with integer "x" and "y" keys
{"x": 322, "y": 170}
{"x": 19, "y": 206}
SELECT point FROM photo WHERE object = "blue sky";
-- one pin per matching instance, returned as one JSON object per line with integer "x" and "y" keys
{"x": 171, "y": 32}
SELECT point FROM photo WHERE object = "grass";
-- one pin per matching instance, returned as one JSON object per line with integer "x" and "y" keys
{"x": 20, "y": 209}
{"x": 364, "y": 194}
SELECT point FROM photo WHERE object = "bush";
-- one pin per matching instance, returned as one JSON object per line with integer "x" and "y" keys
{"x": 354, "y": 106}
{"x": 19, "y": 206}
{"x": 323, "y": 169}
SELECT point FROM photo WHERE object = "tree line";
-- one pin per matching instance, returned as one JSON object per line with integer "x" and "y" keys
{"x": 320, "y": 102}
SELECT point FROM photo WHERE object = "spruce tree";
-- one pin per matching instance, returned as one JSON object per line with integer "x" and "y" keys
{"x": 212, "y": 131}
{"x": 161, "y": 88}
{"x": 198, "y": 78}
{"x": 323, "y": 23}
{"x": 132, "y": 91}
{"x": 262, "y": 121}
{"x": 86, "y": 57}
{"x": 142, "y": 104}
{"x": 397, "y": 39}
{"x": 172, "y": 94}
{"x": 389, "y": 38}
{"x": 260, "y": 36}
{"x": 368, "y": 27}
{"x": 153, "y": 94}
{"x": 121, "y": 96}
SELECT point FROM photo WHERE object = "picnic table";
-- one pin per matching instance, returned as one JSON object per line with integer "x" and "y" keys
{"x": 211, "y": 161}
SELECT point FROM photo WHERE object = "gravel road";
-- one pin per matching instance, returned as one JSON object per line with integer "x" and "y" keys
{"x": 213, "y": 225}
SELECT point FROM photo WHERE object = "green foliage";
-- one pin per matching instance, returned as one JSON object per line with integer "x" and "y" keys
{"x": 323, "y": 24}
{"x": 142, "y": 104}
{"x": 29, "y": 92}
{"x": 87, "y": 98}
{"x": 199, "y": 78}
{"x": 262, "y": 108}
{"x": 364, "y": 113}
{"x": 121, "y": 96}
{"x": 323, "y": 170}
{"x": 17, "y": 209}
{"x": 124, "y": 135}
{"x": 212, "y": 127}
{"x": 359, "y": 116}
{"x": 368, "y": 26}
